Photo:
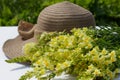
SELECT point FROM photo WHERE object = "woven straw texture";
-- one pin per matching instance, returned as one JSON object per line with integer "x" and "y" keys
{"x": 13, "y": 47}
{"x": 64, "y": 16}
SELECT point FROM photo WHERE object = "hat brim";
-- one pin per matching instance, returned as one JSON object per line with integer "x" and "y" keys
{"x": 13, "y": 47}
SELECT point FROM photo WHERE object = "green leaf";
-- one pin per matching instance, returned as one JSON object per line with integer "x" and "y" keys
{"x": 18, "y": 59}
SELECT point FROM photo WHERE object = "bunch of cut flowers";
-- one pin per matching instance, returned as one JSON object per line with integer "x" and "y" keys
{"x": 83, "y": 53}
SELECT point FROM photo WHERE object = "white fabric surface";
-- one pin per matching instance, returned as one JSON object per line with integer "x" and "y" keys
{"x": 14, "y": 71}
{"x": 9, "y": 71}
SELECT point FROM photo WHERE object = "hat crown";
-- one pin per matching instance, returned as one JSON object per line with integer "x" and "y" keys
{"x": 65, "y": 8}
{"x": 64, "y": 15}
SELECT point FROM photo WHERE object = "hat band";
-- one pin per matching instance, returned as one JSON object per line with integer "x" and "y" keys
{"x": 25, "y": 29}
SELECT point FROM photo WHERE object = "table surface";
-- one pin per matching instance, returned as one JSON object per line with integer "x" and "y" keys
{"x": 9, "y": 71}
{"x": 13, "y": 71}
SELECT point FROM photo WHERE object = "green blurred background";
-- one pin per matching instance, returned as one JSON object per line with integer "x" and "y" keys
{"x": 106, "y": 12}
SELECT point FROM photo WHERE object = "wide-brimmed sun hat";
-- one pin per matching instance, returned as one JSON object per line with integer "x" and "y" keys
{"x": 58, "y": 17}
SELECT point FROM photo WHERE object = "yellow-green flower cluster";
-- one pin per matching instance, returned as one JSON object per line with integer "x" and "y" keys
{"x": 72, "y": 53}
{"x": 104, "y": 56}
{"x": 101, "y": 60}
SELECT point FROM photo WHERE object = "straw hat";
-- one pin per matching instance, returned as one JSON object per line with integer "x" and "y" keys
{"x": 57, "y": 17}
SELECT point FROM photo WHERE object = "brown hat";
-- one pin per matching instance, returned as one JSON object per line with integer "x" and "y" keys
{"x": 57, "y": 17}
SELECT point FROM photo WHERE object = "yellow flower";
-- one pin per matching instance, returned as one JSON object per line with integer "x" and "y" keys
{"x": 82, "y": 44}
{"x": 88, "y": 71}
{"x": 112, "y": 53}
{"x": 46, "y": 63}
{"x": 28, "y": 47}
{"x": 81, "y": 34}
{"x": 38, "y": 62}
{"x": 113, "y": 59}
{"x": 86, "y": 39}
{"x": 111, "y": 74}
{"x": 66, "y": 64}
{"x": 89, "y": 45}
{"x": 104, "y": 51}
{"x": 107, "y": 62}
{"x": 94, "y": 51}
{"x": 85, "y": 29}
{"x": 112, "y": 56}
{"x": 63, "y": 65}
{"x": 95, "y": 58}
{"x": 91, "y": 67}
{"x": 97, "y": 72}
{"x": 42, "y": 71}
{"x": 117, "y": 70}
{"x": 118, "y": 56}
{"x": 58, "y": 67}
{"x": 102, "y": 59}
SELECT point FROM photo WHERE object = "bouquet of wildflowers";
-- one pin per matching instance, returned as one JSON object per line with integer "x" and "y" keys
{"x": 74, "y": 53}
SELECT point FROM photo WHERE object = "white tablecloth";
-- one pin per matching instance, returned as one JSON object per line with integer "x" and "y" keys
{"x": 13, "y": 71}
{"x": 9, "y": 71}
